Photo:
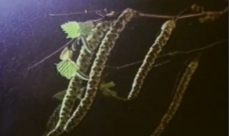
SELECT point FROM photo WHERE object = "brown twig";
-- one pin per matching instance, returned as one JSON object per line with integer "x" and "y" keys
{"x": 171, "y": 54}
{"x": 78, "y": 13}
{"x": 192, "y": 51}
{"x": 140, "y": 14}
{"x": 135, "y": 63}
{"x": 184, "y": 16}
{"x": 50, "y": 55}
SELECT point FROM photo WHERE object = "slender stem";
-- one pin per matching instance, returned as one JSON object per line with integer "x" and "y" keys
{"x": 171, "y": 54}
{"x": 78, "y": 13}
{"x": 135, "y": 63}
{"x": 140, "y": 14}
{"x": 192, "y": 51}
{"x": 50, "y": 55}
{"x": 184, "y": 16}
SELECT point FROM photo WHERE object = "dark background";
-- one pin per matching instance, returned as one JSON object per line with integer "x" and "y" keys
{"x": 28, "y": 34}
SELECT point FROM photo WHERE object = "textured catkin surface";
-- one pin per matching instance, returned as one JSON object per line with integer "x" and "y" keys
{"x": 98, "y": 66}
{"x": 150, "y": 58}
{"x": 28, "y": 34}
{"x": 83, "y": 61}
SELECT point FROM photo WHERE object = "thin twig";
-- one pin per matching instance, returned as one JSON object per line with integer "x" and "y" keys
{"x": 140, "y": 14}
{"x": 172, "y": 54}
{"x": 184, "y": 16}
{"x": 47, "y": 57}
{"x": 135, "y": 63}
{"x": 192, "y": 51}
{"x": 78, "y": 13}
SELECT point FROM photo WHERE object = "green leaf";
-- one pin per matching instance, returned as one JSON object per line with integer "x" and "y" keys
{"x": 86, "y": 27}
{"x": 105, "y": 88}
{"x": 72, "y": 29}
{"x": 108, "y": 85}
{"x": 66, "y": 54}
{"x": 67, "y": 68}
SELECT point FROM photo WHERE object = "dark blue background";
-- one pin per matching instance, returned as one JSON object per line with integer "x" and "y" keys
{"x": 28, "y": 34}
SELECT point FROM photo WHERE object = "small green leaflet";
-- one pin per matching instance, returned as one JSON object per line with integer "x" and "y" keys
{"x": 67, "y": 68}
{"x": 105, "y": 88}
{"x": 108, "y": 85}
{"x": 86, "y": 27}
{"x": 66, "y": 54}
{"x": 75, "y": 29}
{"x": 72, "y": 29}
